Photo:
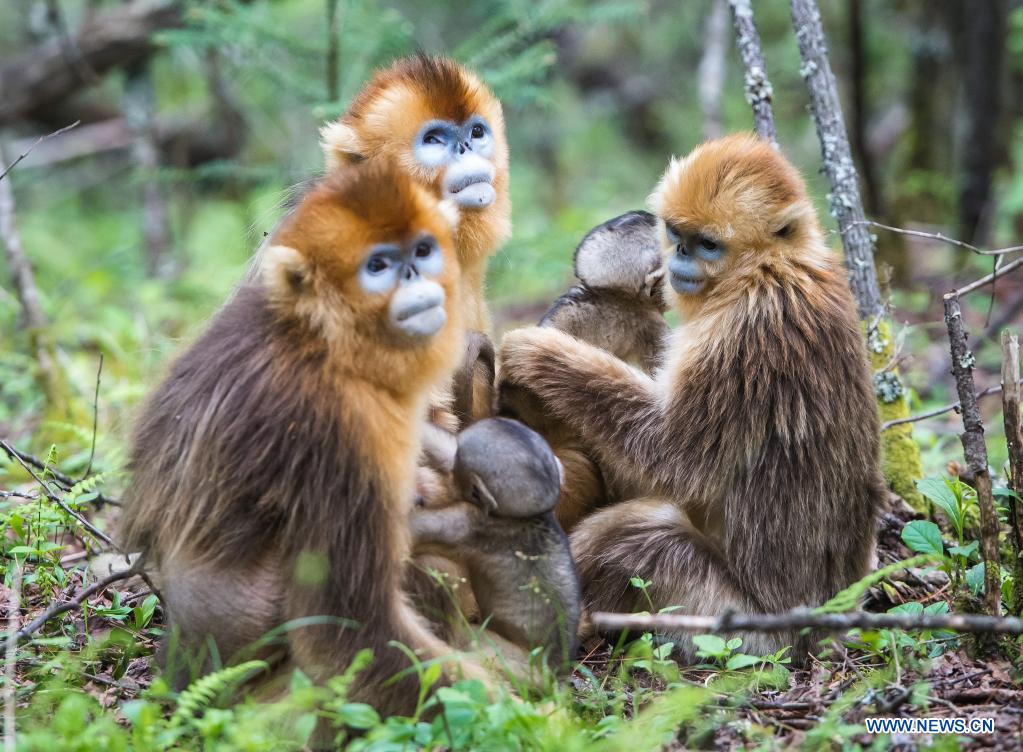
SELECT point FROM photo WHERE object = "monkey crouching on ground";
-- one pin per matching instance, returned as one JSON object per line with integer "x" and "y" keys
{"x": 516, "y": 554}
{"x": 617, "y": 306}
{"x": 757, "y": 444}
{"x": 273, "y": 469}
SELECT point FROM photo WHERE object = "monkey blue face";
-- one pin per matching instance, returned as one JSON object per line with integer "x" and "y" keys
{"x": 463, "y": 151}
{"x": 686, "y": 264}
{"x": 405, "y": 273}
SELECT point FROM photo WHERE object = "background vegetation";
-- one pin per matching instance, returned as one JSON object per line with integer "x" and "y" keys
{"x": 140, "y": 221}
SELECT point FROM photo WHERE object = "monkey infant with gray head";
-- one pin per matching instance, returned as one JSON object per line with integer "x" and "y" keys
{"x": 517, "y": 555}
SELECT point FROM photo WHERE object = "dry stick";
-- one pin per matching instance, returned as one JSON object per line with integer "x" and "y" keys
{"x": 758, "y": 87}
{"x": 59, "y": 608}
{"x": 975, "y": 451}
{"x": 844, "y": 199}
{"x": 1001, "y": 272}
{"x": 938, "y": 410}
{"x": 64, "y": 480}
{"x": 95, "y": 419}
{"x": 10, "y": 660}
{"x": 57, "y": 500}
{"x": 803, "y": 617}
{"x": 944, "y": 239}
{"x": 38, "y": 141}
{"x": 1014, "y": 442}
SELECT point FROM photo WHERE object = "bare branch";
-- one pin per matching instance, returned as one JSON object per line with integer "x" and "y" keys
{"x": 944, "y": 239}
{"x": 938, "y": 410}
{"x": 997, "y": 274}
{"x": 975, "y": 451}
{"x": 39, "y": 140}
{"x": 66, "y": 481}
{"x": 805, "y": 617}
{"x": 9, "y": 450}
{"x": 758, "y": 87}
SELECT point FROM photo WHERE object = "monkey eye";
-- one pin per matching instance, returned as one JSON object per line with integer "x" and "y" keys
{"x": 707, "y": 244}
{"x": 424, "y": 249}
{"x": 378, "y": 265}
{"x": 433, "y": 137}
{"x": 478, "y": 131}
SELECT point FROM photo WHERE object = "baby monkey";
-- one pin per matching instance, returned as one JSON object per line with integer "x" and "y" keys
{"x": 619, "y": 304}
{"x": 520, "y": 566}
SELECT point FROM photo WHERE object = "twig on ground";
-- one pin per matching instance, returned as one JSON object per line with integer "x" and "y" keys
{"x": 57, "y": 609}
{"x": 804, "y": 617}
{"x": 57, "y": 500}
{"x": 939, "y": 410}
{"x": 10, "y": 660}
{"x": 1014, "y": 443}
{"x": 944, "y": 239}
{"x": 975, "y": 451}
{"x": 39, "y": 140}
{"x": 758, "y": 87}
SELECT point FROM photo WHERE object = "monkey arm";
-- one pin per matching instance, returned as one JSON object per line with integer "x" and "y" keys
{"x": 618, "y": 411}
{"x": 449, "y": 525}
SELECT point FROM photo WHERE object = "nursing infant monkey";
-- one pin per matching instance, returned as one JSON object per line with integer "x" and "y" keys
{"x": 515, "y": 552}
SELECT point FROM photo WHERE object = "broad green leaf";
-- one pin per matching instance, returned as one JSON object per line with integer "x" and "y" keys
{"x": 358, "y": 715}
{"x": 924, "y": 537}
{"x": 741, "y": 660}
{"x": 966, "y": 550}
{"x": 939, "y": 491}
{"x": 940, "y": 607}
{"x": 907, "y": 608}
{"x": 710, "y": 645}
{"x": 975, "y": 578}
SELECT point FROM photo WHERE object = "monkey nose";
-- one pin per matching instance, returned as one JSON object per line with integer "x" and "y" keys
{"x": 463, "y": 148}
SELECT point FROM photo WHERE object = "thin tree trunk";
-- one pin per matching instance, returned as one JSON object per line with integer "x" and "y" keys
{"x": 860, "y": 116}
{"x": 28, "y": 294}
{"x": 713, "y": 65}
{"x": 846, "y": 205}
{"x": 138, "y": 113}
{"x": 758, "y": 88}
{"x": 975, "y": 451}
{"x": 333, "y": 52}
{"x": 985, "y": 22}
{"x": 1014, "y": 443}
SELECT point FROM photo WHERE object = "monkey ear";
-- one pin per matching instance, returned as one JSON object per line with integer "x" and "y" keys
{"x": 341, "y": 145}
{"x": 286, "y": 272}
{"x": 787, "y": 221}
{"x": 450, "y": 211}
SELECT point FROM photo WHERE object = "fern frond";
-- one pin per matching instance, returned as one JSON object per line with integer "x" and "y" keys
{"x": 202, "y": 692}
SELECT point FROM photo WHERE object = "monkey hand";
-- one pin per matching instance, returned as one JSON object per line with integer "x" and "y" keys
{"x": 527, "y": 353}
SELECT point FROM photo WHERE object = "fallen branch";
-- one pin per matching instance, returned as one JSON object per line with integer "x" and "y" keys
{"x": 758, "y": 87}
{"x": 944, "y": 239}
{"x": 938, "y": 410}
{"x": 806, "y": 618}
{"x": 118, "y": 37}
{"x": 975, "y": 451}
{"x": 57, "y": 609}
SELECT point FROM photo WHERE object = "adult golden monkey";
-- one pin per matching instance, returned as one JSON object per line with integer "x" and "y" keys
{"x": 274, "y": 467}
{"x": 758, "y": 441}
{"x": 445, "y": 128}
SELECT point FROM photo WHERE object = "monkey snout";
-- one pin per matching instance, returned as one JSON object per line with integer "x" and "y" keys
{"x": 417, "y": 308}
{"x": 469, "y": 181}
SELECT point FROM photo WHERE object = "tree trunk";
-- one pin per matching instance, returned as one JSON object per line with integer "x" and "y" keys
{"x": 758, "y": 88}
{"x": 713, "y": 65}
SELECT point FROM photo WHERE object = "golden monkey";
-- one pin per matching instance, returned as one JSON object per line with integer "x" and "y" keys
{"x": 442, "y": 125}
{"x": 517, "y": 555}
{"x": 618, "y": 306}
{"x": 757, "y": 444}
{"x": 274, "y": 466}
